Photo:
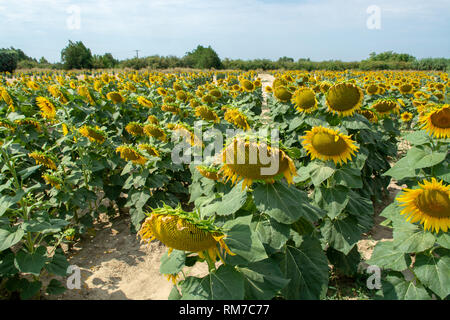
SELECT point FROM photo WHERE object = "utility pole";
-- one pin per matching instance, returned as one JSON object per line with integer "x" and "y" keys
{"x": 137, "y": 53}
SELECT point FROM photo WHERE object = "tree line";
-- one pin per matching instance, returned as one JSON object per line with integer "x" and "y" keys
{"x": 77, "y": 56}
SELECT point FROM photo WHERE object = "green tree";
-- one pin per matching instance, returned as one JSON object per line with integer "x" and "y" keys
{"x": 76, "y": 56}
{"x": 8, "y": 60}
{"x": 203, "y": 58}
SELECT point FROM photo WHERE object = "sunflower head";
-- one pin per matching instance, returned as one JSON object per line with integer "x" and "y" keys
{"x": 152, "y": 119}
{"x": 5, "y": 123}
{"x": 28, "y": 122}
{"x": 386, "y": 106}
{"x": 45, "y": 158}
{"x": 115, "y": 97}
{"x": 304, "y": 100}
{"x": 406, "y": 116}
{"x": 406, "y": 88}
{"x": 48, "y": 110}
{"x": 151, "y": 150}
{"x": 247, "y": 85}
{"x": 171, "y": 108}
{"x": 153, "y": 130}
{"x": 344, "y": 99}
{"x": 145, "y": 102}
{"x": 52, "y": 180}
{"x": 436, "y": 121}
{"x": 429, "y": 204}
{"x": 250, "y": 160}
{"x": 328, "y": 144}
{"x": 206, "y": 113}
{"x": 237, "y": 118}
{"x": 181, "y": 230}
{"x": 135, "y": 129}
{"x": 210, "y": 172}
{"x": 94, "y": 134}
{"x": 369, "y": 115}
{"x": 130, "y": 153}
{"x": 282, "y": 93}
{"x": 372, "y": 89}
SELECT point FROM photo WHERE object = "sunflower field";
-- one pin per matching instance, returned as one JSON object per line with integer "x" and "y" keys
{"x": 271, "y": 187}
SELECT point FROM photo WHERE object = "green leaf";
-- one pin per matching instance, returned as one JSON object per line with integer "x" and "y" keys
{"x": 333, "y": 200}
{"x": 357, "y": 122}
{"x": 320, "y": 171}
{"x": 343, "y": 234}
{"x": 442, "y": 172}
{"x": 349, "y": 177}
{"x": 401, "y": 170}
{"x": 443, "y": 239}
{"x": 285, "y": 204}
{"x": 243, "y": 240}
{"x": 31, "y": 262}
{"x": 7, "y": 267}
{"x": 263, "y": 280}
{"x": 172, "y": 264}
{"x": 228, "y": 204}
{"x": 59, "y": 264}
{"x": 271, "y": 232}
{"x": 344, "y": 264}
{"x": 307, "y": 268}
{"x": 174, "y": 294}
{"x": 29, "y": 289}
{"x": 28, "y": 171}
{"x": 386, "y": 256}
{"x": 192, "y": 289}
{"x": 225, "y": 284}
{"x": 9, "y": 237}
{"x": 55, "y": 287}
{"x": 409, "y": 238}
{"x": 395, "y": 287}
{"x": 434, "y": 273}
{"x": 40, "y": 225}
{"x": 418, "y": 137}
{"x": 7, "y": 202}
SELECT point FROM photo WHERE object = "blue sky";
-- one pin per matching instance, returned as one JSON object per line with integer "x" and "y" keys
{"x": 247, "y": 29}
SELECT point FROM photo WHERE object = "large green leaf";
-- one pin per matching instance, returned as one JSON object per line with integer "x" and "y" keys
{"x": 402, "y": 169}
{"x": 343, "y": 234}
{"x": 386, "y": 256}
{"x": 43, "y": 226}
{"x": 349, "y": 177}
{"x": 230, "y": 203}
{"x": 395, "y": 287}
{"x": 307, "y": 268}
{"x": 284, "y": 203}
{"x": 226, "y": 283}
{"x": 320, "y": 171}
{"x": 243, "y": 241}
{"x": 345, "y": 264}
{"x": 31, "y": 262}
{"x": 443, "y": 239}
{"x": 410, "y": 238}
{"x": 9, "y": 237}
{"x": 434, "y": 273}
{"x": 333, "y": 200}
{"x": 271, "y": 232}
{"x": 7, "y": 202}
{"x": 59, "y": 264}
{"x": 7, "y": 267}
{"x": 192, "y": 289}
{"x": 263, "y": 280}
{"x": 418, "y": 137}
{"x": 174, "y": 263}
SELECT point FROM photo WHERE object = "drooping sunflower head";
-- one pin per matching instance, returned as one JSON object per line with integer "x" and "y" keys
{"x": 151, "y": 150}
{"x": 386, "y": 106}
{"x": 182, "y": 130}
{"x": 304, "y": 100}
{"x": 369, "y": 115}
{"x": 130, "y": 153}
{"x": 48, "y": 110}
{"x": 153, "y": 130}
{"x": 247, "y": 85}
{"x": 328, "y": 144}
{"x": 206, "y": 113}
{"x": 28, "y": 122}
{"x": 429, "y": 205}
{"x": 52, "y": 180}
{"x": 406, "y": 116}
{"x": 237, "y": 118}
{"x": 94, "y": 134}
{"x": 209, "y": 172}
{"x": 152, "y": 119}
{"x": 208, "y": 98}
{"x": 171, "y": 108}
{"x": 5, "y": 123}
{"x": 145, "y": 102}
{"x": 437, "y": 121}
{"x": 344, "y": 99}
{"x": 282, "y": 94}
{"x": 248, "y": 159}
{"x": 181, "y": 230}
{"x": 45, "y": 158}
{"x": 135, "y": 129}
{"x": 115, "y": 97}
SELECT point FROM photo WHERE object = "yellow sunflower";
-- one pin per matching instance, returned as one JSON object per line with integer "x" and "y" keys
{"x": 94, "y": 134}
{"x": 145, "y": 102}
{"x": 234, "y": 116}
{"x": 429, "y": 204}
{"x": 130, "y": 153}
{"x": 344, "y": 99}
{"x": 155, "y": 131}
{"x": 304, "y": 100}
{"x": 406, "y": 88}
{"x": 242, "y": 160}
{"x": 369, "y": 115}
{"x": 115, "y": 97}
{"x": 327, "y": 144}
{"x": 247, "y": 85}
{"x": 386, "y": 106}
{"x": 406, "y": 116}
{"x": 52, "y": 180}
{"x": 46, "y": 159}
{"x": 135, "y": 129}
{"x": 151, "y": 150}
{"x": 207, "y": 113}
{"x": 181, "y": 230}
{"x": 437, "y": 121}
{"x": 211, "y": 173}
{"x": 48, "y": 110}
{"x": 282, "y": 94}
